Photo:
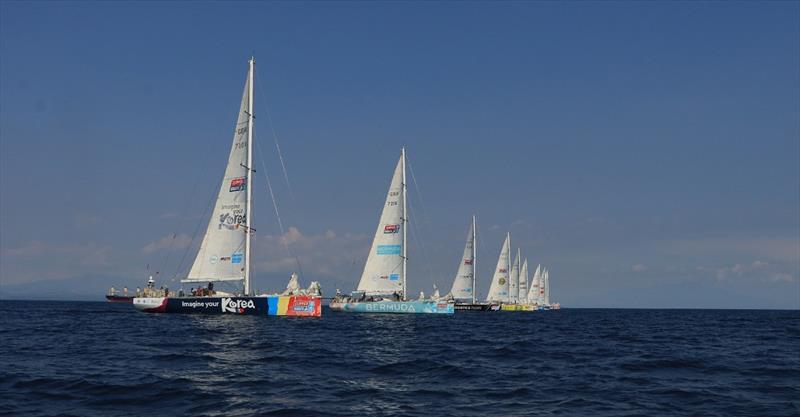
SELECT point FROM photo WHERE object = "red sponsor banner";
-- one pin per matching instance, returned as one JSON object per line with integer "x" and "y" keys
{"x": 304, "y": 305}
{"x": 238, "y": 184}
{"x": 391, "y": 228}
{"x": 467, "y": 261}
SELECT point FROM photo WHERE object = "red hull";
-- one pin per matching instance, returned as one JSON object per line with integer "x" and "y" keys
{"x": 119, "y": 299}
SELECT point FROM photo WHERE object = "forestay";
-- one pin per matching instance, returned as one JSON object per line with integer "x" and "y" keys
{"x": 383, "y": 272}
{"x": 462, "y": 284}
{"x": 498, "y": 291}
{"x": 222, "y": 253}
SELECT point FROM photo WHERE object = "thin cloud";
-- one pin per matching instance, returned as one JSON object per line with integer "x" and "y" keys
{"x": 329, "y": 254}
{"x": 168, "y": 242}
{"x": 41, "y": 260}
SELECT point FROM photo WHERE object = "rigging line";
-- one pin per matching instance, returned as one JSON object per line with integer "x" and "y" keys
{"x": 196, "y": 230}
{"x": 275, "y": 138}
{"x": 274, "y": 202}
{"x": 182, "y": 219}
{"x": 426, "y": 219}
{"x": 417, "y": 233}
{"x": 417, "y": 236}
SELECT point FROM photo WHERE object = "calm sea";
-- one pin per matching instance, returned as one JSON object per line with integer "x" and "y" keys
{"x": 99, "y": 359}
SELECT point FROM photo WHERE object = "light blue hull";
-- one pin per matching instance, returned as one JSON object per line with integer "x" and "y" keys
{"x": 399, "y": 307}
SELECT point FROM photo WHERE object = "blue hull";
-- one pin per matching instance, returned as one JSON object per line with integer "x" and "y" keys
{"x": 398, "y": 307}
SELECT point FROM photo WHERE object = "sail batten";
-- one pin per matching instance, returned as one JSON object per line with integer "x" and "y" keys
{"x": 222, "y": 252}
{"x": 384, "y": 271}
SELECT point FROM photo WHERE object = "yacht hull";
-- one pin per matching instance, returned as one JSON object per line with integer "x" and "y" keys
{"x": 293, "y": 305}
{"x": 476, "y": 307}
{"x": 394, "y": 307}
{"x": 119, "y": 299}
{"x": 518, "y": 307}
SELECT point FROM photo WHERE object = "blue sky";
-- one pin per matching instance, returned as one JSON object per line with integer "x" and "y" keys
{"x": 648, "y": 153}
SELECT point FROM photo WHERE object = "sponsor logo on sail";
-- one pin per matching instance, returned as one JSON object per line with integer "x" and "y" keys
{"x": 467, "y": 261}
{"x": 394, "y": 277}
{"x": 502, "y": 281}
{"x": 238, "y": 184}
{"x": 236, "y": 258}
{"x": 231, "y": 221}
{"x": 391, "y": 228}
{"x": 502, "y": 270}
{"x": 388, "y": 249}
{"x": 230, "y": 305}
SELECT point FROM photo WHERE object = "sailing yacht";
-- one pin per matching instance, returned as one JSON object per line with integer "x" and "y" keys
{"x": 498, "y": 290}
{"x": 224, "y": 254}
{"x": 463, "y": 291}
{"x": 533, "y": 293}
{"x": 546, "y": 304}
{"x": 521, "y": 303}
{"x": 383, "y": 287}
{"x": 523, "y": 283}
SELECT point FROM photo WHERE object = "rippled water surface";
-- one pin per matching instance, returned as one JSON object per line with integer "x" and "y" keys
{"x": 98, "y": 359}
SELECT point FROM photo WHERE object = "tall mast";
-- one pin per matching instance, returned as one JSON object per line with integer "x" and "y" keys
{"x": 508, "y": 293}
{"x": 249, "y": 217}
{"x": 519, "y": 273}
{"x": 405, "y": 222}
{"x": 474, "y": 259}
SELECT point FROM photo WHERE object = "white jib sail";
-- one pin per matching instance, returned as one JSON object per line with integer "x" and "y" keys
{"x": 546, "y": 287}
{"x": 383, "y": 272}
{"x": 222, "y": 252}
{"x": 523, "y": 282}
{"x": 513, "y": 281}
{"x": 498, "y": 291}
{"x": 533, "y": 293}
{"x": 462, "y": 285}
{"x": 541, "y": 286}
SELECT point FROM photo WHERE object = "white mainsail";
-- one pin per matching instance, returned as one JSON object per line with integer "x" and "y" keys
{"x": 547, "y": 287}
{"x": 384, "y": 272}
{"x": 541, "y": 286}
{"x": 523, "y": 283}
{"x": 464, "y": 282}
{"x": 513, "y": 282}
{"x": 498, "y": 291}
{"x": 223, "y": 252}
{"x": 533, "y": 294}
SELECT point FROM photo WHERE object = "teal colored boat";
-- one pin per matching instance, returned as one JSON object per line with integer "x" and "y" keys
{"x": 397, "y": 307}
{"x": 382, "y": 288}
